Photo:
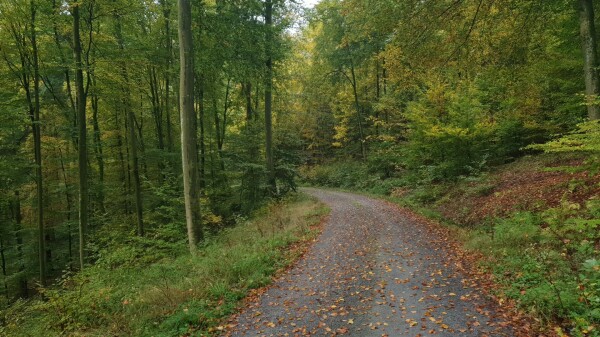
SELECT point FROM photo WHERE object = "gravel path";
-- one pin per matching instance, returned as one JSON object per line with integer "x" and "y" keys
{"x": 372, "y": 272}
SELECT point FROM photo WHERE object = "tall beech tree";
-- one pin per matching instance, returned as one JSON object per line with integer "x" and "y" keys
{"x": 81, "y": 132}
{"x": 37, "y": 141}
{"x": 132, "y": 135}
{"x": 189, "y": 138}
{"x": 269, "y": 97}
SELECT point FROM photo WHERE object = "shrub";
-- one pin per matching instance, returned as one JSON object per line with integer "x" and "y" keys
{"x": 549, "y": 263}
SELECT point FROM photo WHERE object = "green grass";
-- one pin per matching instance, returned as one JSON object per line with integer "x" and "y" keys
{"x": 155, "y": 288}
{"x": 548, "y": 263}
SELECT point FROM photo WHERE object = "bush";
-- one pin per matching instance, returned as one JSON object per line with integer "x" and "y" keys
{"x": 549, "y": 263}
{"x": 450, "y": 135}
{"x": 585, "y": 139}
{"x": 337, "y": 174}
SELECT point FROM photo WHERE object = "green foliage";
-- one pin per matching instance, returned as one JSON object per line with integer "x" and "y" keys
{"x": 455, "y": 103}
{"x": 342, "y": 175}
{"x": 453, "y": 134}
{"x": 153, "y": 287}
{"x": 585, "y": 139}
{"x": 548, "y": 262}
{"x": 385, "y": 159}
{"x": 288, "y": 157}
{"x": 351, "y": 175}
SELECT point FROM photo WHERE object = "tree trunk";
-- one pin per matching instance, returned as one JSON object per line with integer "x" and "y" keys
{"x": 269, "y": 99}
{"x": 121, "y": 155}
{"x": 98, "y": 143}
{"x": 3, "y": 263}
{"x": 217, "y": 120}
{"x": 247, "y": 92}
{"x": 363, "y": 150}
{"x": 72, "y": 117}
{"x": 168, "y": 61}
{"x": 257, "y": 97}
{"x": 69, "y": 208}
{"x": 137, "y": 186}
{"x": 156, "y": 108}
{"x": 377, "y": 95}
{"x": 131, "y": 135}
{"x": 158, "y": 118}
{"x": 225, "y": 113}
{"x": 202, "y": 141}
{"x": 128, "y": 187}
{"x": 189, "y": 139}
{"x": 23, "y": 288}
{"x": 82, "y": 134}
{"x": 37, "y": 144}
{"x": 590, "y": 54}
{"x": 221, "y": 125}
{"x": 384, "y": 75}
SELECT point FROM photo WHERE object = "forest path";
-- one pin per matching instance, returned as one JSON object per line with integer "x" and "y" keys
{"x": 374, "y": 271}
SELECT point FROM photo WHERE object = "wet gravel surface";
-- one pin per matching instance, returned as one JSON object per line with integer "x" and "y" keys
{"x": 372, "y": 272}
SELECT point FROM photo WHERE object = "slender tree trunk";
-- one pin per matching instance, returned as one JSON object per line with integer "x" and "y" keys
{"x": 378, "y": 79}
{"x": 156, "y": 108}
{"x": 269, "y": 98}
{"x": 82, "y": 134}
{"x": 131, "y": 136}
{"x": 201, "y": 113}
{"x": 128, "y": 161}
{"x": 189, "y": 139}
{"x": 221, "y": 125}
{"x": 69, "y": 208}
{"x": 217, "y": 121}
{"x": 98, "y": 151}
{"x": 168, "y": 65}
{"x": 225, "y": 113}
{"x": 377, "y": 95}
{"x": 137, "y": 186}
{"x": 257, "y": 100}
{"x": 3, "y": 259}
{"x": 384, "y": 75}
{"x": 358, "y": 114}
{"x": 590, "y": 54}
{"x": 247, "y": 91}
{"x": 91, "y": 82}
{"x": 121, "y": 156}
{"x": 158, "y": 118}
{"x": 16, "y": 208}
{"x": 71, "y": 101}
{"x": 37, "y": 140}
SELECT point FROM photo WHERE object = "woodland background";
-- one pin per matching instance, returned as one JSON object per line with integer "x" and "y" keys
{"x": 440, "y": 104}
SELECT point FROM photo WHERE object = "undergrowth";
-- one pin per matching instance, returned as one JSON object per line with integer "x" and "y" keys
{"x": 549, "y": 263}
{"x": 153, "y": 287}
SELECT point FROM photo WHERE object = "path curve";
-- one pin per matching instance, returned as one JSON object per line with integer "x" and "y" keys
{"x": 372, "y": 272}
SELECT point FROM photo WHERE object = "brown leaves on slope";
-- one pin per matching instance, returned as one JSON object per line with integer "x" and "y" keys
{"x": 524, "y": 188}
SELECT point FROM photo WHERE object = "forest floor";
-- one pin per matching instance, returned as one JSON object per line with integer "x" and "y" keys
{"x": 379, "y": 270}
{"x": 534, "y": 184}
